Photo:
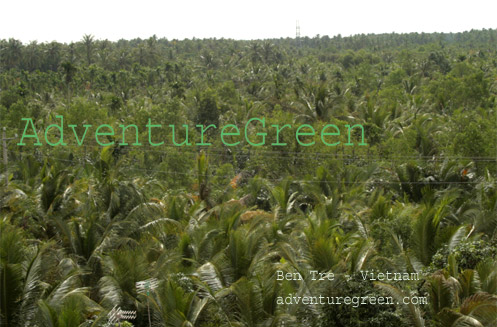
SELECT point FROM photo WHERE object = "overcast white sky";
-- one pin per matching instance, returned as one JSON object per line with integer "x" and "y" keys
{"x": 66, "y": 20}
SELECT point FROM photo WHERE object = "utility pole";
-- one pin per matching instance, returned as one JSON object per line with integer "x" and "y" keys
{"x": 147, "y": 286}
{"x": 297, "y": 33}
{"x": 5, "y": 158}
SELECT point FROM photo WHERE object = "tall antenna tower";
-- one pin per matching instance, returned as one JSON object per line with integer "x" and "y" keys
{"x": 297, "y": 33}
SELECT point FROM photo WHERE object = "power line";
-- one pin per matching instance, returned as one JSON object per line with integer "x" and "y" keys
{"x": 222, "y": 152}
{"x": 372, "y": 182}
{"x": 212, "y": 148}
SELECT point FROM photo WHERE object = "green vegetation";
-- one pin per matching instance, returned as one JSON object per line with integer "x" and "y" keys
{"x": 81, "y": 224}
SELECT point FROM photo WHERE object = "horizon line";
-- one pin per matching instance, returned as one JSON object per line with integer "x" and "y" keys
{"x": 193, "y": 38}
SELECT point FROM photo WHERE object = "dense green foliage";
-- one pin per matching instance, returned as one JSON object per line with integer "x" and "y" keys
{"x": 80, "y": 225}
